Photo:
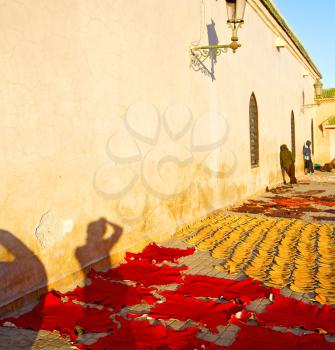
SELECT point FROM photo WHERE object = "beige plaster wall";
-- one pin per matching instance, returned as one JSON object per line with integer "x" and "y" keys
{"x": 101, "y": 117}
{"x": 323, "y": 151}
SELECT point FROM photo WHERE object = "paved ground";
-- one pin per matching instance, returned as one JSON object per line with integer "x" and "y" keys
{"x": 312, "y": 192}
{"x": 200, "y": 263}
{"x": 19, "y": 339}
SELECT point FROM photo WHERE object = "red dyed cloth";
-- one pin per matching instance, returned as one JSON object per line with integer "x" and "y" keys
{"x": 207, "y": 313}
{"x": 154, "y": 252}
{"x": 205, "y": 286}
{"x": 260, "y": 338}
{"x": 324, "y": 218}
{"x": 53, "y": 314}
{"x": 140, "y": 335}
{"x": 291, "y": 202}
{"x": 144, "y": 273}
{"x": 288, "y": 312}
{"x": 324, "y": 201}
{"x": 111, "y": 294}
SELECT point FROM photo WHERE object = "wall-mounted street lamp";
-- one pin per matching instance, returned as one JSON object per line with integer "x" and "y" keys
{"x": 235, "y": 12}
{"x": 318, "y": 87}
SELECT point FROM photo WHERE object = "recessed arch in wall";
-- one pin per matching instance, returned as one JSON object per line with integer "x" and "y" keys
{"x": 253, "y": 129}
{"x": 293, "y": 134}
{"x": 312, "y": 135}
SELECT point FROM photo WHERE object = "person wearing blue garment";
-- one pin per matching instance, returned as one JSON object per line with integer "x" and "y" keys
{"x": 307, "y": 152}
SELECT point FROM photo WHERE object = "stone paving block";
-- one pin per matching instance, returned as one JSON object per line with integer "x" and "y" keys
{"x": 307, "y": 297}
{"x": 296, "y": 331}
{"x": 189, "y": 260}
{"x": 171, "y": 287}
{"x": 330, "y": 338}
{"x": 259, "y": 305}
{"x": 169, "y": 322}
{"x": 253, "y": 305}
{"x": 177, "y": 325}
{"x": 286, "y": 292}
{"x": 193, "y": 270}
{"x": 222, "y": 274}
{"x": 174, "y": 243}
{"x": 186, "y": 261}
{"x": 297, "y": 296}
{"x": 208, "y": 336}
{"x": 204, "y": 270}
{"x": 228, "y": 336}
{"x": 140, "y": 308}
{"x": 90, "y": 338}
{"x": 22, "y": 339}
{"x": 240, "y": 277}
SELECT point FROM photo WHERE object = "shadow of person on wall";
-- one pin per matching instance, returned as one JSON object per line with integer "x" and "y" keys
{"x": 96, "y": 254}
{"x": 22, "y": 275}
{"x": 97, "y": 248}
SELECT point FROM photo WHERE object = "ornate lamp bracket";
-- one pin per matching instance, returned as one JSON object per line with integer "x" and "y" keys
{"x": 199, "y": 54}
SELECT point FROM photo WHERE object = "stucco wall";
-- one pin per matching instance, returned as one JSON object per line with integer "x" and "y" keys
{"x": 324, "y": 152}
{"x": 103, "y": 118}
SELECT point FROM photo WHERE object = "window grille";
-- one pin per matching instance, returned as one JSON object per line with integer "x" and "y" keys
{"x": 293, "y": 134}
{"x": 312, "y": 135}
{"x": 253, "y": 127}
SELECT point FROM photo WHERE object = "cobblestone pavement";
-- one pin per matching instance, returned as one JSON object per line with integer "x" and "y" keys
{"x": 19, "y": 339}
{"x": 199, "y": 263}
{"x": 318, "y": 176}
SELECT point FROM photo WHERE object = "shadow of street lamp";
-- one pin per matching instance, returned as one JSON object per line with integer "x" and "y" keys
{"x": 235, "y": 14}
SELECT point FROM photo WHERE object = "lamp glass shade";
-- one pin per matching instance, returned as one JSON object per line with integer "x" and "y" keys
{"x": 318, "y": 88}
{"x": 240, "y": 9}
{"x": 231, "y": 10}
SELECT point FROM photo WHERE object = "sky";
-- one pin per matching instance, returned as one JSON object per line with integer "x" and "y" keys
{"x": 312, "y": 21}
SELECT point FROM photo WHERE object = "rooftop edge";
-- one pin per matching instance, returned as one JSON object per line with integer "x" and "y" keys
{"x": 280, "y": 20}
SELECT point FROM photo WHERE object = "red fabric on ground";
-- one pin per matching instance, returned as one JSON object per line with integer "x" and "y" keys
{"x": 53, "y": 314}
{"x": 140, "y": 335}
{"x": 205, "y": 286}
{"x": 113, "y": 294}
{"x": 327, "y": 201}
{"x": 288, "y": 312}
{"x": 261, "y": 338}
{"x": 307, "y": 201}
{"x": 159, "y": 254}
{"x": 324, "y": 218}
{"x": 207, "y": 313}
{"x": 291, "y": 202}
{"x": 290, "y": 207}
{"x": 144, "y": 273}
{"x": 325, "y": 204}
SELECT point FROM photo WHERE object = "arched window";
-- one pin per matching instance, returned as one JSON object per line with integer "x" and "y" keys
{"x": 312, "y": 135}
{"x": 293, "y": 134}
{"x": 253, "y": 127}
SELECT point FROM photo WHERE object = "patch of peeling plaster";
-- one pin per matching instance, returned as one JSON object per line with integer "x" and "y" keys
{"x": 52, "y": 229}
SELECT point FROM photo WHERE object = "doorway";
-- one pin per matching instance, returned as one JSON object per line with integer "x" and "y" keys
{"x": 293, "y": 134}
